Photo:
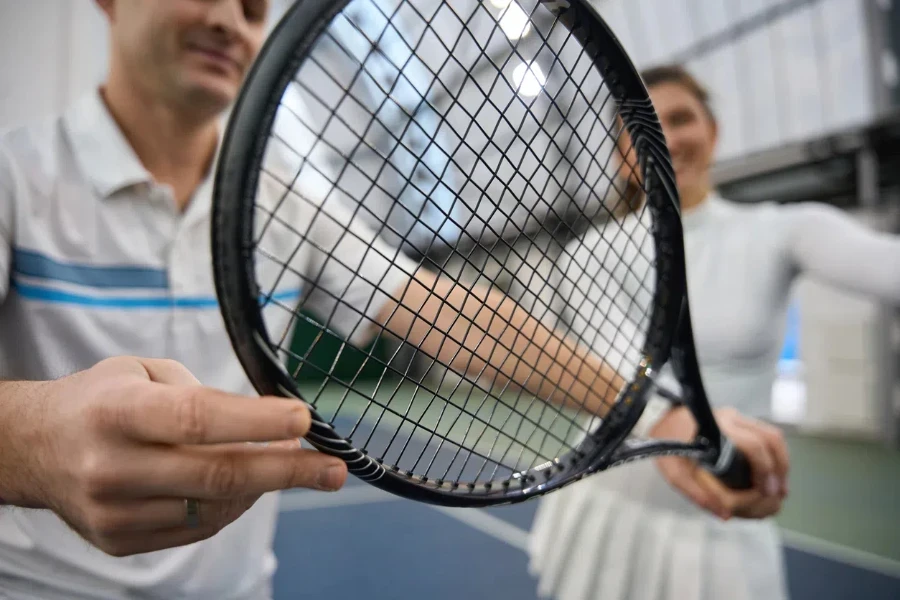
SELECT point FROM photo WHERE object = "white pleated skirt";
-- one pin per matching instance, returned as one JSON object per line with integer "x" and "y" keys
{"x": 625, "y": 534}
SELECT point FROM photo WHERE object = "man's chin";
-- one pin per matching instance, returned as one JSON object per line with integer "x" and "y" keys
{"x": 211, "y": 100}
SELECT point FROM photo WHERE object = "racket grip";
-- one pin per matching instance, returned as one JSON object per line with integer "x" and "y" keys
{"x": 736, "y": 473}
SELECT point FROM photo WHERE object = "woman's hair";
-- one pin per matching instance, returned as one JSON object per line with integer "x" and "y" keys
{"x": 632, "y": 195}
{"x": 677, "y": 74}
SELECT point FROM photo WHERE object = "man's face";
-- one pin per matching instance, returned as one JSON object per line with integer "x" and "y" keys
{"x": 191, "y": 52}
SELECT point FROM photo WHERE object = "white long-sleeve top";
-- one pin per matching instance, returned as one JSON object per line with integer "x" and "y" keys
{"x": 741, "y": 262}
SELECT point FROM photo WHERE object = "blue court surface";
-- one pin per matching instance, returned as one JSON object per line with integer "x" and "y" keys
{"x": 363, "y": 543}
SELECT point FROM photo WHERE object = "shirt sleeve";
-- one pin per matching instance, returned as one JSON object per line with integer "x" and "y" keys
{"x": 6, "y": 222}
{"x": 603, "y": 300}
{"x": 829, "y": 245}
{"x": 355, "y": 273}
{"x": 559, "y": 315}
{"x": 349, "y": 273}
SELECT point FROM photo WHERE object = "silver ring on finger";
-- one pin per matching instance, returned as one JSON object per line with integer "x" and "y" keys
{"x": 192, "y": 513}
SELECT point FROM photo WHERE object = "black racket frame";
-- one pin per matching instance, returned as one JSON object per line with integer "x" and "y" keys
{"x": 235, "y": 189}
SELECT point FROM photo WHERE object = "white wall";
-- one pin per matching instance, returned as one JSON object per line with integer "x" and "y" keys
{"x": 50, "y": 52}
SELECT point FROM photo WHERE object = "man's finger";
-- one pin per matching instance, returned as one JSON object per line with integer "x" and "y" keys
{"x": 235, "y": 470}
{"x": 144, "y": 541}
{"x": 172, "y": 372}
{"x": 124, "y": 518}
{"x": 198, "y": 415}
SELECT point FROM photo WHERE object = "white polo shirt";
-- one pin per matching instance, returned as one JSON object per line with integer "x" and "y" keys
{"x": 97, "y": 261}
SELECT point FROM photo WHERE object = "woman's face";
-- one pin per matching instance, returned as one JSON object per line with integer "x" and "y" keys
{"x": 691, "y": 136}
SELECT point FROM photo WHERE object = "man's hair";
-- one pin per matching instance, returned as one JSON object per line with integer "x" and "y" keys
{"x": 678, "y": 75}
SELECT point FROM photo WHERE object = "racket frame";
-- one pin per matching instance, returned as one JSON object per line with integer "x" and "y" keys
{"x": 236, "y": 186}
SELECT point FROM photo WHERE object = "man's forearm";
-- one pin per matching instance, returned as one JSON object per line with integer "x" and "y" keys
{"x": 20, "y": 403}
{"x": 480, "y": 332}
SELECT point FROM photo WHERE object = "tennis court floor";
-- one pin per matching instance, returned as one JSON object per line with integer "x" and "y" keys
{"x": 841, "y": 534}
{"x": 362, "y": 543}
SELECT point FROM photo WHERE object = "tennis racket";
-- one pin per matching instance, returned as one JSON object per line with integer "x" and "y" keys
{"x": 504, "y": 159}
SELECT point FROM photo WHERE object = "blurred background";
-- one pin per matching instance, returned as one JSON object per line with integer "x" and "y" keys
{"x": 809, "y": 95}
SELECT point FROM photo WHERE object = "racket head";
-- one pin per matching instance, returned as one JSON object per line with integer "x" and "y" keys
{"x": 404, "y": 455}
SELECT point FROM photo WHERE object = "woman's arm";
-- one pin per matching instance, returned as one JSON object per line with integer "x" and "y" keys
{"x": 829, "y": 245}
{"x": 482, "y": 332}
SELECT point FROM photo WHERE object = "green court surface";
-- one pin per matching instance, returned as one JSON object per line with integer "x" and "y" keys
{"x": 846, "y": 492}
{"x": 430, "y": 432}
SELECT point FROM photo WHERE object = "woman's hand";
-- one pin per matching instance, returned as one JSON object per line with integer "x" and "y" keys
{"x": 761, "y": 443}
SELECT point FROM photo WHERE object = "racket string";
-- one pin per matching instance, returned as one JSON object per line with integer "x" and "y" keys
{"x": 318, "y": 284}
{"x": 473, "y": 121}
{"x": 292, "y": 311}
{"x": 560, "y": 161}
{"x": 312, "y": 243}
{"x": 372, "y": 401}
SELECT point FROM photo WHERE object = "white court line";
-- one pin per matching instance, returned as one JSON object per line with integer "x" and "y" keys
{"x": 517, "y": 537}
{"x": 490, "y": 525}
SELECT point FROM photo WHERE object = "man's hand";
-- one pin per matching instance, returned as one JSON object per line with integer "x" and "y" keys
{"x": 764, "y": 447}
{"x": 116, "y": 450}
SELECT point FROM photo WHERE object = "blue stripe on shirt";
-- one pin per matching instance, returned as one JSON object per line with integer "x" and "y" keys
{"x": 42, "y": 294}
{"x": 32, "y": 264}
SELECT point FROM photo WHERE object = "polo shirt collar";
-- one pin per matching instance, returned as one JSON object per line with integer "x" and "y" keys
{"x": 101, "y": 149}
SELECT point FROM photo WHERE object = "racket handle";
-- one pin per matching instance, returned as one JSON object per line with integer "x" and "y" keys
{"x": 733, "y": 468}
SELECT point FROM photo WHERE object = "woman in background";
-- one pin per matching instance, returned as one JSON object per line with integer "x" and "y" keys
{"x": 626, "y": 534}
